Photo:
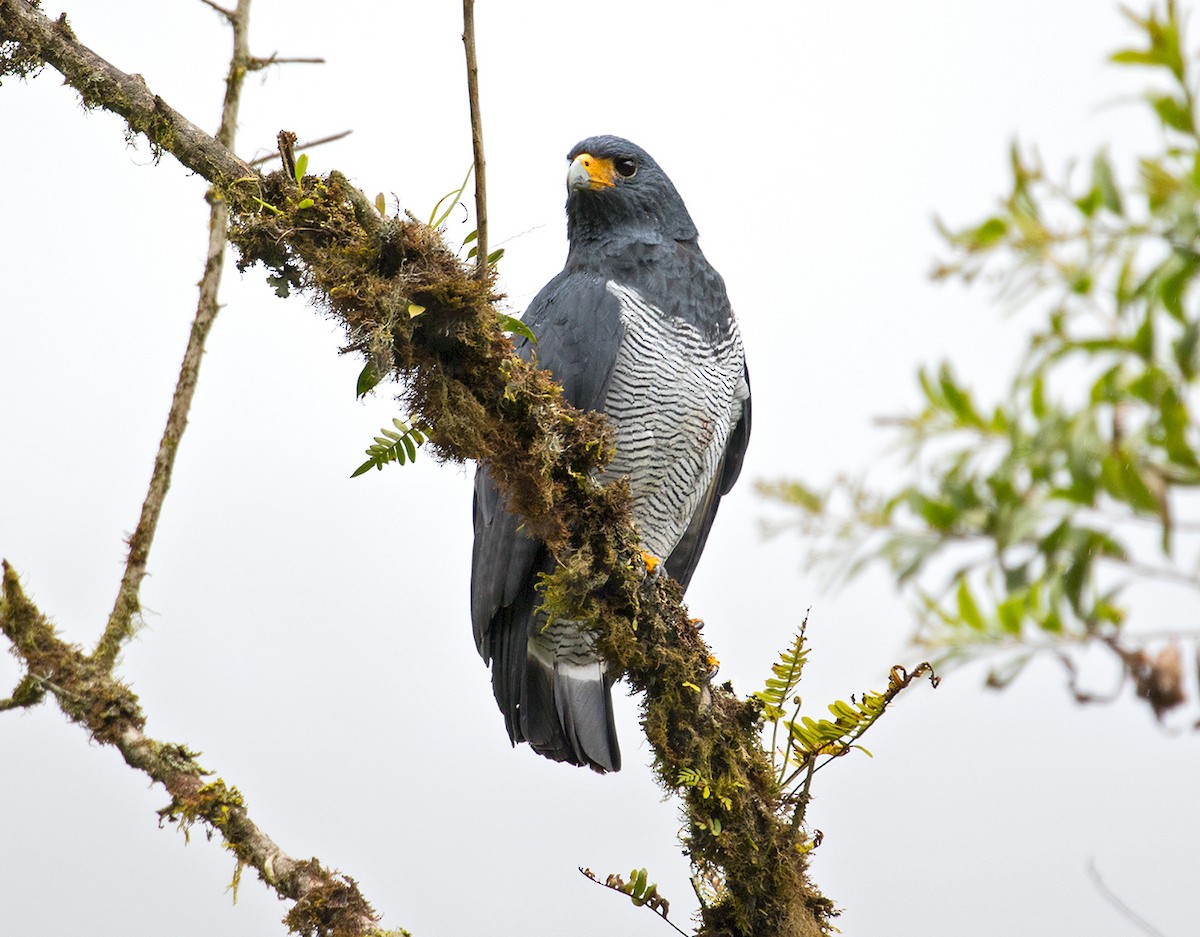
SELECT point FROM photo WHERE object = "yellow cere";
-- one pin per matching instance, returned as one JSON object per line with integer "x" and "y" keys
{"x": 601, "y": 172}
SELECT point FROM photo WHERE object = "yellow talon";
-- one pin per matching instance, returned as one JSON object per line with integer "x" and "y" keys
{"x": 652, "y": 562}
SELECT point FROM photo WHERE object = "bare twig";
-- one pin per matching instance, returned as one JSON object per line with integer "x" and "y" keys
{"x": 1136, "y": 919}
{"x": 122, "y": 622}
{"x": 258, "y": 63}
{"x": 228, "y": 14}
{"x": 481, "y": 241}
{"x": 307, "y": 145}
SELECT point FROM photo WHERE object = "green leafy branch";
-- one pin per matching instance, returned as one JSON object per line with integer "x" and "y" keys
{"x": 395, "y": 445}
{"x": 1023, "y": 522}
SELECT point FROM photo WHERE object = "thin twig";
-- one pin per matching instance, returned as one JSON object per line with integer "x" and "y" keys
{"x": 257, "y": 63}
{"x": 122, "y": 621}
{"x": 308, "y": 145}
{"x": 481, "y": 227}
{"x": 228, "y": 14}
{"x": 1111, "y": 896}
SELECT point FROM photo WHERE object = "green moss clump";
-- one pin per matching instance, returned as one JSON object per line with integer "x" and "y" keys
{"x": 333, "y": 909}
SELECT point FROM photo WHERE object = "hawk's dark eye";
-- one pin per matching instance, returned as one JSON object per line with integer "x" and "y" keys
{"x": 625, "y": 166}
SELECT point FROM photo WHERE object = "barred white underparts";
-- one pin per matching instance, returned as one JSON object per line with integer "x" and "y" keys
{"x": 675, "y": 396}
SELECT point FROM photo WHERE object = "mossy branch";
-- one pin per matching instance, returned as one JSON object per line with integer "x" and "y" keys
{"x": 326, "y": 902}
{"x": 484, "y": 403}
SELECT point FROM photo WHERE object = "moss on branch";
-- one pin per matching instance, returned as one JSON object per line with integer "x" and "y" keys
{"x": 461, "y": 378}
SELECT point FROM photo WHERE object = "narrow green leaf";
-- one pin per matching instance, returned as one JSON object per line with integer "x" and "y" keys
{"x": 1136, "y": 57}
{"x": 1037, "y": 399}
{"x": 1173, "y": 113}
{"x": 968, "y": 611}
{"x": 1089, "y": 202}
{"x": 1138, "y": 493}
{"x": 1010, "y": 612}
{"x": 1105, "y": 183}
{"x": 435, "y": 219}
{"x": 301, "y": 166}
{"x": 513, "y": 324}
{"x": 958, "y": 398}
{"x": 986, "y": 234}
{"x": 381, "y": 204}
{"x": 1185, "y": 351}
{"x": 367, "y": 380}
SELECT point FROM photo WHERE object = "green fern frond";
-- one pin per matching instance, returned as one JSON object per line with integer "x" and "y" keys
{"x": 810, "y": 738}
{"x": 787, "y": 672}
{"x": 393, "y": 446}
{"x": 721, "y": 788}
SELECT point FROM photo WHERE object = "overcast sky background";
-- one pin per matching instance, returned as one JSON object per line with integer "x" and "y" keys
{"x": 310, "y": 634}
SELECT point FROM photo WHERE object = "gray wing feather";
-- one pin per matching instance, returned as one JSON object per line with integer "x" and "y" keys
{"x": 578, "y": 326}
{"x": 682, "y": 562}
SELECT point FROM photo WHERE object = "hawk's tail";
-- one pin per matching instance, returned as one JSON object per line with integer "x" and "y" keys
{"x": 554, "y": 692}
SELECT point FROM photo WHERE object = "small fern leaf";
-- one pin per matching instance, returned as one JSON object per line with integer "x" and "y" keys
{"x": 811, "y": 738}
{"x": 787, "y": 672}
{"x": 395, "y": 445}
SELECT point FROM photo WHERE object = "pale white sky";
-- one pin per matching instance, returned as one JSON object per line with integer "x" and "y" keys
{"x": 310, "y": 633}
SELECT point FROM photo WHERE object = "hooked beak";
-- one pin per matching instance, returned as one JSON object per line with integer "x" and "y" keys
{"x": 588, "y": 172}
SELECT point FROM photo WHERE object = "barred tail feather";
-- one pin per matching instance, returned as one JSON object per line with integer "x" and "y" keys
{"x": 566, "y": 710}
{"x": 554, "y": 693}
